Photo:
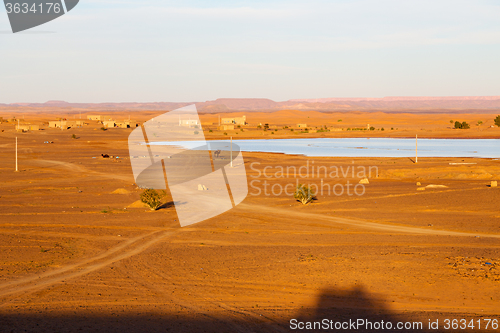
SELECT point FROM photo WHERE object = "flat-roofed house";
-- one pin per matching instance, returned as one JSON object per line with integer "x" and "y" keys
{"x": 96, "y": 118}
{"x": 27, "y": 128}
{"x": 189, "y": 123}
{"x": 109, "y": 123}
{"x": 226, "y": 127}
{"x": 234, "y": 121}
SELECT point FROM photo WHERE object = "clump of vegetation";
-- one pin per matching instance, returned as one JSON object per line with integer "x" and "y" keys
{"x": 210, "y": 131}
{"x": 460, "y": 125}
{"x": 382, "y": 129}
{"x": 225, "y": 133}
{"x": 304, "y": 194}
{"x": 392, "y": 128}
{"x": 479, "y": 122}
{"x": 196, "y": 132}
{"x": 104, "y": 128}
{"x": 497, "y": 121}
{"x": 266, "y": 126}
{"x": 259, "y": 127}
{"x": 339, "y": 120}
{"x": 153, "y": 198}
{"x": 73, "y": 136}
{"x": 451, "y": 121}
{"x": 372, "y": 128}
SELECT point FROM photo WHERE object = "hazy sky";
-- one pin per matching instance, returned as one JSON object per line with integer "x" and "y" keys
{"x": 160, "y": 50}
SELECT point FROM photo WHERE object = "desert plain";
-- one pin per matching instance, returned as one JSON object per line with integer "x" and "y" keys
{"x": 80, "y": 252}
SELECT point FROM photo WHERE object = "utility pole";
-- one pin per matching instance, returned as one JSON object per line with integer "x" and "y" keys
{"x": 17, "y": 170}
{"x": 416, "y": 148}
{"x": 17, "y": 124}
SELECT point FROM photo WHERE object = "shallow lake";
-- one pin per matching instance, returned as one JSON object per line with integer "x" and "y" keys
{"x": 366, "y": 147}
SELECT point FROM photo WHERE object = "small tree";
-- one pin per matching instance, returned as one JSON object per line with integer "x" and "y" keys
{"x": 152, "y": 198}
{"x": 451, "y": 122}
{"x": 465, "y": 125}
{"x": 497, "y": 121}
{"x": 304, "y": 194}
{"x": 458, "y": 124}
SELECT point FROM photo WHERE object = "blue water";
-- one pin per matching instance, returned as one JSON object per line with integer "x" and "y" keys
{"x": 367, "y": 147}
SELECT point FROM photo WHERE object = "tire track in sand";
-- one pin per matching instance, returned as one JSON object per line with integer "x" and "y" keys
{"x": 357, "y": 223}
{"x": 119, "y": 252}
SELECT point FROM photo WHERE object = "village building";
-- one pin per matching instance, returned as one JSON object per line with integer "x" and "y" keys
{"x": 234, "y": 121}
{"x": 189, "y": 122}
{"x": 27, "y": 128}
{"x": 109, "y": 123}
{"x": 63, "y": 123}
{"x": 96, "y": 118}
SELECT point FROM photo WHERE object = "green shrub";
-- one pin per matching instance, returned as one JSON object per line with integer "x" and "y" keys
{"x": 304, "y": 194}
{"x": 460, "y": 125}
{"x": 497, "y": 121}
{"x": 152, "y": 198}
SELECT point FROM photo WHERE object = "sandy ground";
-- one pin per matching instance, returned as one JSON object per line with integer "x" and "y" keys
{"x": 80, "y": 254}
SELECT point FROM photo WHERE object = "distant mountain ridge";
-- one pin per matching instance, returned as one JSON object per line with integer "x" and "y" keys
{"x": 390, "y": 103}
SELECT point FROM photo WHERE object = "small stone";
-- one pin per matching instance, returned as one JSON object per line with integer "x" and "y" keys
{"x": 418, "y": 184}
{"x": 364, "y": 181}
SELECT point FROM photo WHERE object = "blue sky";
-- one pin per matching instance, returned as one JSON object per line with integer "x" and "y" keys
{"x": 126, "y": 51}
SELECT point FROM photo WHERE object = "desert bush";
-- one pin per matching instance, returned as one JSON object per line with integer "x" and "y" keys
{"x": 497, "y": 121}
{"x": 479, "y": 122}
{"x": 460, "y": 125}
{"x": 225, "y": 133}
{"x": 152, "y": 198}
{"x": 73, "y": 136}
{"x": 104, "y": 128}
{"x": 304, "y": 194}
{"x": 372, "y": 128}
